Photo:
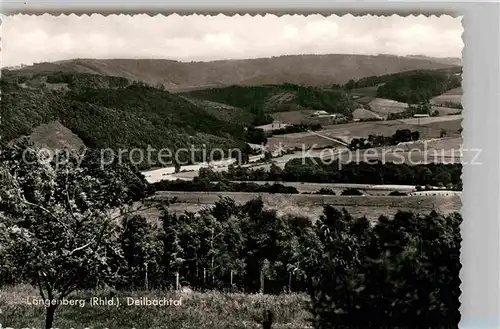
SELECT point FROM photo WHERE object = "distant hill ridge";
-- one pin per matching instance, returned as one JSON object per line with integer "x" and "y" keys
{"x": 179, "y": 76}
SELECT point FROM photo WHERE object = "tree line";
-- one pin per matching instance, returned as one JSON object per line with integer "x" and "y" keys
{"x": 313, "y": 170}
{"x": 400, "y": 136}
{"x": 204, "y": 184}
{"x": 381, "y": 79}
{"x": 297, "y": 128}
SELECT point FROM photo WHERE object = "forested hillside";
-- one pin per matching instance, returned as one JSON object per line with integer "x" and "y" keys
{"x": 279, "y": 98}
{"x": 418, "y": 87}
{"x": 110, "y": 113}
{"x": 381, "y": 79}
{"x": 297, "y": 69}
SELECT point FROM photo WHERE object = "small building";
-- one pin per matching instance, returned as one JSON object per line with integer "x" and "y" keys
{"x": 421, "y": 115}
{"x": 276, "y": 124}
{"x": 320, "y": 113}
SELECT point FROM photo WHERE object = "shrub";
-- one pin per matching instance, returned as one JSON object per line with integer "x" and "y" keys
{"x": 325, "y": 191}
{"x": 351, "y": 191}
{"x": 397, "y": 193}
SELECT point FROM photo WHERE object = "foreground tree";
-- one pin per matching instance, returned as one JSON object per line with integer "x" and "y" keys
{"x": 398, "y": 273}
{"x": 62, "y": 213}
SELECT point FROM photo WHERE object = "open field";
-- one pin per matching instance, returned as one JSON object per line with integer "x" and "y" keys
{"x": 446, "y": 110}
{"x": 311, "y": 206}
{"x": 190, "y": 171}
{"x": 384, "y": 107}
{"x": 368, "y": 189}
{"x": 361, "y": 113}
{"x": 273, "y": 126}
{"x": 453, "y": 96}
{"x": 208, "y": 310}
{"x": 445, "y": 143}
{"x": 364, "y": 95}
{"x": 301, "y": 116}
{"x": 428, "y": 127}
{"x": 222, "y": 111}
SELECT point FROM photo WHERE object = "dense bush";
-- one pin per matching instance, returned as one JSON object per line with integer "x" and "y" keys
{"x": 397, "y": 193}
{"x": 325, "y": 191}
{"x": 255, "y": 136}
{"x": 452, "y": 105}
{"x": 351, "y": 191}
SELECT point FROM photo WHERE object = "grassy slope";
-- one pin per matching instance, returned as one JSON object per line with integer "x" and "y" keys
{"x": 452, "y": 96}
{"x": 210, "y": 310}
{"x": 55, "y": 136}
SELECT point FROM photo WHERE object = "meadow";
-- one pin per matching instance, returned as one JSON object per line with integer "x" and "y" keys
{"x": 384, "y": 106}
{"x": 208, "y": 310}
{"x": 428, "y": 128}
{"x": 311, "y": 206}
{"x": 453, "y": 96}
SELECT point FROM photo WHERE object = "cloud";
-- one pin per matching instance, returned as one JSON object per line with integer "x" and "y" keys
{"x": 28, "y": 39}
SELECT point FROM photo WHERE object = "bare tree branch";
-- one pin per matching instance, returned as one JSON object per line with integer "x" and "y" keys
{"x": 80, "y": 248}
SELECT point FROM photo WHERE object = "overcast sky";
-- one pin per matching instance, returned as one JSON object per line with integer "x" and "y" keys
{"x": 30, "y": 39}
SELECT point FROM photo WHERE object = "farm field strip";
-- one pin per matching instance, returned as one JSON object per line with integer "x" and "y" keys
{"x": 453, "y": 95}
{"x": 429, "y": 128}
{"x": 313, "y": 212}
{"x": 305, "y": 187}
{"x": 361, "y": 113}
{"x": 311, "y": 199}
{"x": 311, "y": 206}
{"x": 384, "y": 107}
{"x": 317, "y": 186}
